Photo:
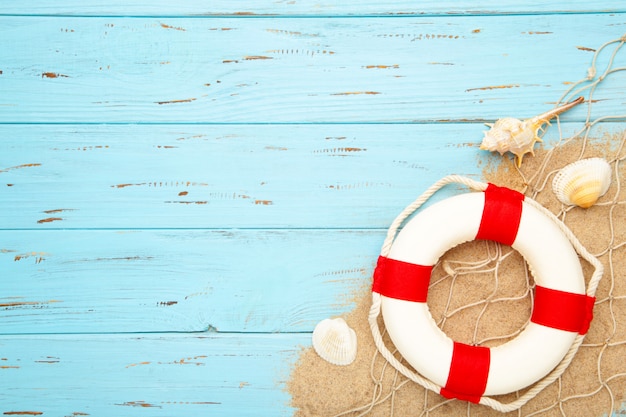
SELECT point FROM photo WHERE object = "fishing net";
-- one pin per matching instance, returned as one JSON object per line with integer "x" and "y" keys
{"x": 481, "y": 294}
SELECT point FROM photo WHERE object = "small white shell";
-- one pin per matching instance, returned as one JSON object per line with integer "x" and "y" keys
{"x": 583, "y": 182}
{"x": 335, "y": 341}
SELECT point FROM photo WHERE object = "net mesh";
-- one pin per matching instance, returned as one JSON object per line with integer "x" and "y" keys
{"x": 477, "y": 297}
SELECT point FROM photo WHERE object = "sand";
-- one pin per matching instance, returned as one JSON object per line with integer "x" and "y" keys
{"x": 595, "y": 382}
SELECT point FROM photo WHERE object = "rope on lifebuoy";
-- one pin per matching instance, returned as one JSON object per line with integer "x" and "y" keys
{"x": 580, "y": 324}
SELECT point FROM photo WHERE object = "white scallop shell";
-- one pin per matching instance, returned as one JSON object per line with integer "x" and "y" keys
{"x": 335, "y": 341}
{"x": 583, "y": 182}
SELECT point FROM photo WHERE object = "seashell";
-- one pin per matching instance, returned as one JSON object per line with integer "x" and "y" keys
{"x": 335, "y": 341}
{"x": 583, "y": 182}
{"x": 517, "y": 136}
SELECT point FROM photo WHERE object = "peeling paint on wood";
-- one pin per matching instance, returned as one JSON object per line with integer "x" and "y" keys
{"x": 164, "y": 26}
{"x": 200, "y": 136}
{"x": 18, "y": 304}
{"x": 340, "y": 151}
{"x": 186, "y": 100}
{"x": 49, "y": 360}
{"x": 421, "y": 36}
{"x": 292, "y": 33}
{"x": 53, "y": 75}
{"x": 306, "y": 52}
{"x": 389, "y": 38}
{"x": 202, "y": 202}
{"x": 192, "y": 402}
{"x": 132, "y": 365}
{"x": 256, "y": 57}
{"x": 350, "y": 271}
{"x": 396, "y": 66}
{"x": 19, "y": 167}
{"x": 493, "y": 87}
{"x": 188, "y": 361}
{"x": 39, "y": 256}
{"x": 160, "y": 184}
{"x": 22, "y": 413}
{"x": 141, "y": 404}
{"x": 57, "y": 210}
{"x": 227, "y": 9}
{"x": 167, "y": 303}
{"x": 50, "y": 220}
{"x": 121, "y": 258}
{"x": 83, "y": 148}
{"x": 188, "y": 373}
{"x": 357, "y": 186}
{"x": 357, "y": 93}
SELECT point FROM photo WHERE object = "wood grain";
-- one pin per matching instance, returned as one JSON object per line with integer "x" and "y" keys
{"x": 149, "y": 374}
{"x": 181, "y": 280}
{"x": 337, "y": 176}
{"x": 297, "y": 70}
{"x": 186, "y": 189}
{"x": 187, "y": 176}
{"x": 305, "y": 7}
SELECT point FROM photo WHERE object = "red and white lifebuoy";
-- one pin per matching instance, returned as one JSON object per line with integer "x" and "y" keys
{"x": 561, "y": 308}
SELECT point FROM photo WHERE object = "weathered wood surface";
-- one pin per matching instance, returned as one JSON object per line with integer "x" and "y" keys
{"x": 305, "y": 8}
{"x": 304, "y": 176}
{"x": 296, "y": 70}
{"x": 91, "y": 281}
{"x": 146, "y": 374}
{"x": 186, "y": 189}
{"x": 188, "y": 176}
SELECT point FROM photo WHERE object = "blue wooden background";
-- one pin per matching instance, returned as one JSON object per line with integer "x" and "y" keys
{"x": 186, "y": 189}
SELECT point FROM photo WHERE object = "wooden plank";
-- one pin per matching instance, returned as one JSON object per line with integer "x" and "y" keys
{"x": 147, "y": 375}
{"x": 291, "y": 70}
{"x": 180, "y": 280}
{"x": 223, "y": 176}
{"x": 303, "y": 176}
{"x": 304, "y": 7}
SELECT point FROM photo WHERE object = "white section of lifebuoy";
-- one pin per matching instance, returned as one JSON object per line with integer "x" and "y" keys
{"x": 551, "y": 258}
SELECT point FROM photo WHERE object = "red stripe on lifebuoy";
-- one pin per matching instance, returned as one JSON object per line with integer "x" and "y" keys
{"x": 401, "y": 280}
{"x": 562, "y": 310}
{"x": 501, "y": 215}
{"x": 469, "y": 370}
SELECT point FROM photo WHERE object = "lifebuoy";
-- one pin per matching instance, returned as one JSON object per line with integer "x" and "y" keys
{"x": 561, "y": 308}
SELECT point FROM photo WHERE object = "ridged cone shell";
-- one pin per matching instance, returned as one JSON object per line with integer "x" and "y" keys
{"x": 583, "y": 182}
{"x": 335, "y": 342}
{"x": 519, "y": 137}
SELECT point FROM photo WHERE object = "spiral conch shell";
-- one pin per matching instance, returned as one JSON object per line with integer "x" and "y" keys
{"x": 335, "y": 341}
{"x": 582, "y": 182}
{"x": 519, "y": 137}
